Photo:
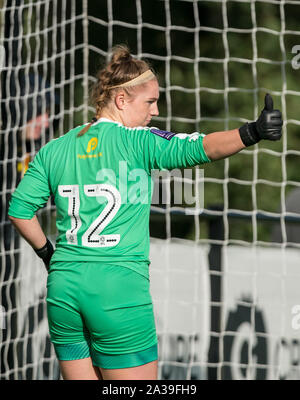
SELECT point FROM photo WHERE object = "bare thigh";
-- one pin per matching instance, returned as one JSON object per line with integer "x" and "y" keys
{"x": 146, "y": 371}
{"x": 79, "y": 369}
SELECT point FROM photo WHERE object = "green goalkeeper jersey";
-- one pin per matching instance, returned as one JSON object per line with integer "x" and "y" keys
{"x": 102, "y": 186}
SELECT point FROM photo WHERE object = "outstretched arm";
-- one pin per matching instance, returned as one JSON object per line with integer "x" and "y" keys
{"x": 218, "y": 145}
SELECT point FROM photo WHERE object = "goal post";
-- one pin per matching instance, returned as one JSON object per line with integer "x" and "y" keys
{"x": 223, "y": 268}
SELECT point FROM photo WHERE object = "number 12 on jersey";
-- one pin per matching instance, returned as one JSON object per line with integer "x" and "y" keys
{"x": 92, "y": 236}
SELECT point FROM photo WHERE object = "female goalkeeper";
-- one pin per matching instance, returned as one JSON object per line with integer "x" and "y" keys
{"x": 100, "y": 311}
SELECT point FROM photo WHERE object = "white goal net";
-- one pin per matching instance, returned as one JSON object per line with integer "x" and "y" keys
{"x": 224, "y": 238}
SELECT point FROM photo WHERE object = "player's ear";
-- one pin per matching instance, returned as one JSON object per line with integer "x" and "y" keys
{"x": 120, "y": 100}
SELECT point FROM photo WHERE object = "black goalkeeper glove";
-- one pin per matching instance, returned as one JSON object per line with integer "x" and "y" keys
{"x": 45, "y": 253}
{"x": 268, "y": 126}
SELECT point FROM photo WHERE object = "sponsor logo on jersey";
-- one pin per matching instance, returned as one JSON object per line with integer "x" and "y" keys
{"x": 164, "y": 134}
{"x": 85, "y": 156}
{"x": 92, "y": 144}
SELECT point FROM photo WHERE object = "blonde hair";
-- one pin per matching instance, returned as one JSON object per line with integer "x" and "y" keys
{"x": 121, "y": 69}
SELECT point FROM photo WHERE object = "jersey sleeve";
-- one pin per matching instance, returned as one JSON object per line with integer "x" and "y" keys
{"x": 33, "y": 191}
{"x": 168, "y": 150}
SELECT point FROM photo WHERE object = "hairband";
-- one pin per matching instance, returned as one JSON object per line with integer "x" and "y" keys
{"x": 144, "y": 77}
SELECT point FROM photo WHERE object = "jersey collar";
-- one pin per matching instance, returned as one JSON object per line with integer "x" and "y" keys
{"x": 106, "y": 120}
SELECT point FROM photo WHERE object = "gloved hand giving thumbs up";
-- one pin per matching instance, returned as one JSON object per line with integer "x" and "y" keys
{"x": 268, "y": 126}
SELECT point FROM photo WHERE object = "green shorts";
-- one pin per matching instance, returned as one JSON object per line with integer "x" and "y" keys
{"x": 102, "y": 311}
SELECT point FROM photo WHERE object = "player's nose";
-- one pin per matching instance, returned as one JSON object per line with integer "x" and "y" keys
{"x": 154, "y": 110}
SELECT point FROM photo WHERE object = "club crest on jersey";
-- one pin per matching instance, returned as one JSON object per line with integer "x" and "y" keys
{"x": 92, "y": 144}
{"x": 164, "y": 134}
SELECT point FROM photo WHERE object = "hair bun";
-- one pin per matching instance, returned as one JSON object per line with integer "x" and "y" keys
{"x": 120, "y": 53}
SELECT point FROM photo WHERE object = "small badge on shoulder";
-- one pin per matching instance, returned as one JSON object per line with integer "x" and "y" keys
{"x": 164, "y": 134}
